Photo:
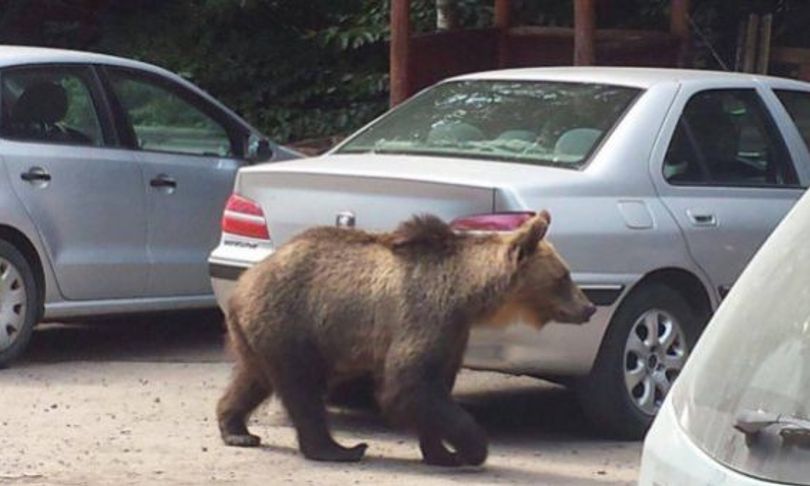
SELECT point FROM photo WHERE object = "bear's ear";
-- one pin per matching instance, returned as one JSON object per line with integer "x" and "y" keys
{"x": 524, "y": 242}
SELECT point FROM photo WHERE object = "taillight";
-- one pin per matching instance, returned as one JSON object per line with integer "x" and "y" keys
{"x": 506, "y": 221}
{"x": 244, "y": 217}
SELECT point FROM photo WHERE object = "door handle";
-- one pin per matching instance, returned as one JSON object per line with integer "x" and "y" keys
{"x": 35, "y": 174}
{"x": 163, "y": 181}
{"x": 699, "y": 218}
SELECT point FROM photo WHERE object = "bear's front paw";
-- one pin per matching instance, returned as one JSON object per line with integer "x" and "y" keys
{"x": 242, "y": 440}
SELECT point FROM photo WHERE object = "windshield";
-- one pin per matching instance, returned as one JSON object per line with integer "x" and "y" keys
{"x": 744, "y": 396}
{"x": 536, "y": 122}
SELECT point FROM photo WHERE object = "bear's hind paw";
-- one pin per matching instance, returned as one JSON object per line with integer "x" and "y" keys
{"x": 337, "y": 453}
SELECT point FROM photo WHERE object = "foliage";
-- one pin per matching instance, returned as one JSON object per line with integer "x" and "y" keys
{"x": 265, "y": 59}
{"x": 301, "y": 69}
{"x": 293, "y": 72}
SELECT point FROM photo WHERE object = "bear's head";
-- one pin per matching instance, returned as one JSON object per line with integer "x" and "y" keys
{"x": 542, "y": 290}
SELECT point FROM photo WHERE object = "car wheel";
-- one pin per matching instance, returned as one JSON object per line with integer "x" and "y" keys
{"x": 18, "y": 303}
{"x": 644, "y": 349}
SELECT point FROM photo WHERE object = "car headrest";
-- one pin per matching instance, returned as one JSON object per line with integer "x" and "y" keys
{"x": 41, "y": 102}
{"x": 577, "y": 142}
{"x": 454, "y": 131}
{"x": 524, "y": 135}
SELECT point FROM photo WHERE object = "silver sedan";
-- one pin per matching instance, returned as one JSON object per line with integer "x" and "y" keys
{"x": 661, "y": 183}
{"x": 113, "y": 174}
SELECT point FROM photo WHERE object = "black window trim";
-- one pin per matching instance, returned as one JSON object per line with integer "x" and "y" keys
{"x": 772, "y": 130}
{"x": 97, "y": 97}
{"x": 236, "y": 132}
{"x": 793, "y": 90}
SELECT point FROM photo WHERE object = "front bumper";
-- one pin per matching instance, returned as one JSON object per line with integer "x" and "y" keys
{"x": 559, "y": 350}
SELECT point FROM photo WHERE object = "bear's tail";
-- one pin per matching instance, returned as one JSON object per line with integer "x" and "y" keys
{"x": 424, "y": 230}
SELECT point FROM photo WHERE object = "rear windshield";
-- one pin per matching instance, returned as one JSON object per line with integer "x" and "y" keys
{"x": 546, "y": 123}
{"x": 751, "y": 368}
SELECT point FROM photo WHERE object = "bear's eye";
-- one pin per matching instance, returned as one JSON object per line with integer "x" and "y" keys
{"x": 564, "y": 283}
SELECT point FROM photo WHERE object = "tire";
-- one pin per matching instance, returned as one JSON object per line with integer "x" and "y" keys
{"x": 19, "y": 303}
{"x": 634, "y": 370}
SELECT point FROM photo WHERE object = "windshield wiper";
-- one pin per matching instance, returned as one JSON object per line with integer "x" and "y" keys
{"x": 793, "y": 430}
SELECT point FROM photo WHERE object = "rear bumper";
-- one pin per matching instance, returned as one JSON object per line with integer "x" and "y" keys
{"x": 670, "y": 458}
{"x": 223, "y": 279}
{"x": 559, "y": 350}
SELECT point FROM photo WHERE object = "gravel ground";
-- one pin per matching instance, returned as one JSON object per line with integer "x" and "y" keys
{"x": 132, "y": 403}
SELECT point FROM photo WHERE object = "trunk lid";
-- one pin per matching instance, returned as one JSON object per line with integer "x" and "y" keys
{"x": 378, "y": 190}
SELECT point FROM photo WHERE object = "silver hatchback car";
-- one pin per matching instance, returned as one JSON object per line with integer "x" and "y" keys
{"x": 113, "y": 175}
{"x": 661, "y": 185}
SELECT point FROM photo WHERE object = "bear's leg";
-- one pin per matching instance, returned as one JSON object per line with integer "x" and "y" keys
{"x": 438, "y": 419}
{"x": 245, "y": 392}
{"x": 413, "y": 394}
{"x": 459, "y": 428}
{"x": 434, "y": 452}
{"x": 301, "y": 386}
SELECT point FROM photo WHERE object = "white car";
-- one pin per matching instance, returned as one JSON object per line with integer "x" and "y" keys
{"x": 661, "y": 184}
{"x": 740, "y": 412}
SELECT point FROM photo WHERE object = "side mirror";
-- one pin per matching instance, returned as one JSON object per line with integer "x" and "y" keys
{"x": 259, "y": 149}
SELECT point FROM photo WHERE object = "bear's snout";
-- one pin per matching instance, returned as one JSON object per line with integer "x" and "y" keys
{"x": 588, "y": 312}
{"x": 579, "y": 316}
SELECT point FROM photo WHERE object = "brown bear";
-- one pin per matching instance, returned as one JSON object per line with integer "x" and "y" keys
{"x": 334, "y": 304}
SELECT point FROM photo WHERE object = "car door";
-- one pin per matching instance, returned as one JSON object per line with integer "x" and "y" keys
{"x": 83, "y": 193}
{"x": 727, "y": 177}
{"x": 189, "y": 154}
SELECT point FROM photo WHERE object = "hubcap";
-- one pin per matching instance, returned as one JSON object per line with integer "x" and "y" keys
{"x": 653, "y": 356}
{"x": 12, "y": 304}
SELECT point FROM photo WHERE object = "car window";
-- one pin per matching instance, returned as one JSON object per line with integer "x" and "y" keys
{"x": 744, "y": 396}
{"x": 797, "y": 104}
{"x": 50, "y": 105}
{"x": 162, "y": 119}
{"x": 534, "y": 122}
{"x": 727, "y": 138}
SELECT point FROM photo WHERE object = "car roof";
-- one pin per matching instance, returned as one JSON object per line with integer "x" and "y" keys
{"x": 626, "y": 76}
{"x": 18, "y": 55}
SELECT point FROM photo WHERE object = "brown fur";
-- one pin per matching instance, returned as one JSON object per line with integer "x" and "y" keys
{"x": 334, "y": 303}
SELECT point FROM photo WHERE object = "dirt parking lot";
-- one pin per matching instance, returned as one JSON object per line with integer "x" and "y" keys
{"x": 132, "y": 403}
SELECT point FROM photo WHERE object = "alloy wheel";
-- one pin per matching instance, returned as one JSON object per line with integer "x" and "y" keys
{"x": 13, "y": 301}
{"x": 654, "y": 355}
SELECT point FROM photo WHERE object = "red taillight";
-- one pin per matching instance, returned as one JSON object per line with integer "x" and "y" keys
{"x": 507, "y": 221}
{"x": 244, "y": 217}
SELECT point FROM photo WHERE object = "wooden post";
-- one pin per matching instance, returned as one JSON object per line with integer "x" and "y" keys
{"x": 503, "y": 21}
{"x": 739, "y": 53}
{"x": 400, "y": 51}
{"x": 584, "y": 29}
{"x": 503, "y": 14}
{"x": 679, "y": 26}
{"x": 750, "y": 55}
{"x": 764, "y": 49}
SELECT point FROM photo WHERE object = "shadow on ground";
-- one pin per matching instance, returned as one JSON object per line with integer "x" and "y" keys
{"x": 515, "y": 412}
{"x": 187, "y": 337}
